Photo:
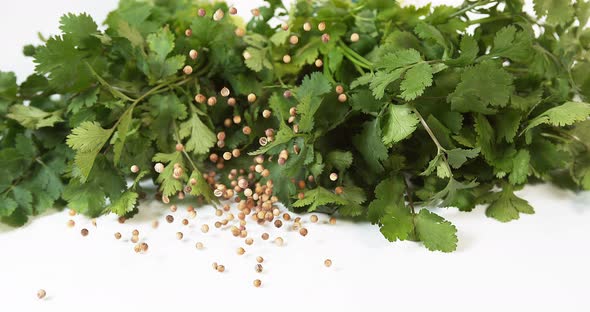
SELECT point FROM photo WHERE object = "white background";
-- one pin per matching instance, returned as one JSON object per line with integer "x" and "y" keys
{"x": 538, "y": 263}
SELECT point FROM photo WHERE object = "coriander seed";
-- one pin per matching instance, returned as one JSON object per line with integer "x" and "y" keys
{"x": 184, "y": 222}
{"x": 135, "y": 233}
{"x": 224, "y": 92}
{"x": 179, "y": 235}
{"x": 251, "y": 97}
{"x": 319, "y": 63}
{"x": 117, "y": 235}
{"x": 201, "y": 12}
{"x": 71, "y": 223}
{"x": 204, "y": 228}
{"x": 169, "y": 219}
{"x": 265, "y": 236}
{"x": 354, "y": 37}
{"x": 188, "y": 32}
{"x": 342, "y": 98}
{"x": 259, "y": 259}
{"x": 307, "y": 26}
{"x": 159, "y": 167}
{"x": 258, "y": 268}
{"x": 134, "y": 169}
{"x": 41, "y": 293}
{"x": 303, "y": 231}
{"x": 187, "y": 70}
{"x": 286, "y": 58}
{"x": 293, "y": 40}
{"x": 193, "y": 54}
{"x": 313, "y": 218}
{"x": 200, "y": 245}
{"x": 249, "y": 241}
{"x": 322, "y": 26}
{"x": 220, "y": 268}
{"x": 333, "y": 176}
{"x": 328, "y": 263}
{"x": 257, "y": 283}
{"x": 332, "y": 220}
{"x": 241, "y": 251}
{"x": 84, "y": 232}
{"x": 279, "y": 241}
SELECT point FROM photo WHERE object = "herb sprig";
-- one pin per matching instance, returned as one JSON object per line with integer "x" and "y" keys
{"x": 368, "y": 109}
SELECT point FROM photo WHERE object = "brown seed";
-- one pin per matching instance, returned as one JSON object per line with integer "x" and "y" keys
{"x": 202, "y": 12}
{"x": 204, "y": 228}
{"x": 251, "y": 97}
{"x": 255, "y": 12}
{"x": 265, "y": 236}
{"x": 266, "y": 113}
{"x": 155, "y": 224}
{"x": 293, "y": 39}
{"x": 258, "y": 268}
{"x": 246, "y": 130}
{"x": 72, "y": 212}
{"x": 199, "y": 98}
{"x": 237, "y": 119}
{"x": 342, "y": 98}
{"x": 303, "y": 231}
{"x": 231, "y": 101}
{"x": 332, "y": 220}
{"x": 215, "y": 265}
{"x": 287, "y": 94}
{"x": 184, "y": 222}
{"x": 134, "y": 168}
{"x": 169, "y": 219}
{"x": 179, "y": 235}
{"x": 71, "y": 223}
{"x": 117, "y": 235}
{"x": 322, "y": 26}
{"x": 319, "y": 63}
{"x": 187, "y": 70}
{"x": 200, "y": 245}
{"x": 173, "y": 208}
{"x": 278, "y": 223}
{"x": 188, "y": 32}
{"x": 41, "y": 293}
{"x": 249, "y": 241}
{"x": 328, "y": 263}
{"x": 354, "y": 37}
{"x": 211, "y": 101}
{"x": 84, "y": 232}
{"x": 144, "y": 247}
{"x": 286, "y": 216}
{"x": 285, "y": 26}
{"x": 233, "y": 11}
{"x": 137, "y": 248}
{"x": 241, "y": 251}
{"x": 134, "y": 239}
{"x": 286, "y": 58}
{"x": 339, "y": 190}
{"x": 240, "y": 32}
{"x": 193, "y": 54}
{"x": 313, "y": 218}
{"x": 279, "y": 241}
{"x": 339, "y": 89}
{"x": 257, "y": 283}
{"x": 179, "y": 147}
{"x": 259, "y": 259}
{"x": 220, "y": 268}
{"x": 135, "y": 233}
{"x": 307, "y": 26}
{"x": 224, "y": 92}
{"x": 333, "y": 176}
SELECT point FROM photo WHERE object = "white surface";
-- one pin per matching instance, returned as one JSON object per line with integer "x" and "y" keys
{"x": 538, "y": 263}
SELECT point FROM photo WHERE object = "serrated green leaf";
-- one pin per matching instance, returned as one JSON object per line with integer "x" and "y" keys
{"x": 121, "y": 135}
{"x": 318, "y": 197}
{"x": 435, "y": 232}
{"x": 124, "y": 204}
{"x": 458, "y": 156}
{"x": 201, "y": 138}
{"x": 34, "y": 118}
{"x": 415, "y": 81}
{"x": 506, "y": 206}
{"x": 520, "y": 167}
{"x": 401, "y": 122}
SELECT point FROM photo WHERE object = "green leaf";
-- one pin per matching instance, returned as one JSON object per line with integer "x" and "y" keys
{"x": 512, "y": 44}
{"x": 469, "y": 51}
{"x": 458, "y": 156}
{"x": 121, "y": 135}
{"x": 399, "y": 59}
{"x": 401, "y": 122}
{"x": 161, "y": 43}
{"x": 78, "y": 26}
{"x": 416, "y": 80}
{"x": 201, "y": 138}
{"x": 34, "y": 118}
{"x": 505, "y": 205}
{"x": 201, "y": 188}
{"x": 318, "y": 197}
{"x": 426, "y": 31}
{"x": 168, "y": 184}
{"x": 389, "y": 198}
{"x": 482, "y": 85}
{"x": 557, "y": 11}
{"x": 7, "y": 206}
{"x": 258, "y": 59}
{"x": 87, "y": 139}
{"x": 563, "y": 115}
{"x": 341, "y": 160}
{"x": 368, "y": 142}
{"x": 284, "y": 135}
{"x": 435, "y": 232}
{"x": 124, "y": 204}
{"x": 520, "y": 167}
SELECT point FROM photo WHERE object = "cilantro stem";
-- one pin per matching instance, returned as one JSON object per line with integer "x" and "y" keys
{"x": 440, "y": 150}
{"x": 470, "y": 7}
{"x": 409, "y": 195}
{"x": 354, "y": 57}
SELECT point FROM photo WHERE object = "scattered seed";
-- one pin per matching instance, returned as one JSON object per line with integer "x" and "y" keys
{"x": 134, "y": 239}
{"x": 259, "y": 259}
{"x": 293, "y": 40}
{"x": 71, "y": 223}
{"x": 322, "y": 26}
{"x": 179, "y": 235}
{"x": 286, "y": 58}
{"x": 333, "y": 176}
{"x": 84, "y": 232}
{"x": 224, "y": 92}
{"x": 313, "y": 218}
{"x": 187, "y": 70}
{"x": 134, "y": 168}
{"x": 233, "y": 11}
{"x": 204, "y": 228}
{"x": 265, "y": 236}
{"x": 342, "y": 98}
{"x": 159, "y": 167}
{"x": 220, "y": 268}
{"x": 354, "y": 37}
{"x": 215, "y": 265}
{"x": 193, "y": 54}
{"x": 155, "y": 224}
{"x": 257, "y": 283}
{"x": 41, "y": 293}
{"x": 184, "y": 222}
{"x": 328, "y": 263}
{"x": 218, "y": 15}
{"x": 200, "y": 245}
{"x": 241, "y": 251}
{"x": 278, "y": 223}
{"x": 202, "y": 12}
{"x": 279, "y": 241}
{"x": 188, "y": 32}
{"x": 319, "y": 63}
{"x": 303, "y": 231}
{"x": 249, "y": 241}
{"x": 255, "y": 12}
{"x": 332, "y": 220}
{"x": 251, "y": 97}
{"x": 117, "y": 235}
{"x": 135, "y": 233}
{"x": 258, "y": 268}
{"x": 307, "y": 26}
{"x": 169, "y": 219}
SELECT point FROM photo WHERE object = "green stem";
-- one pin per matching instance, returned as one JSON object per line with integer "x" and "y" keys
{"x": 470, "y": 7}
{"x": 439, "y": 148}
{"x": 354, "y": 56}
